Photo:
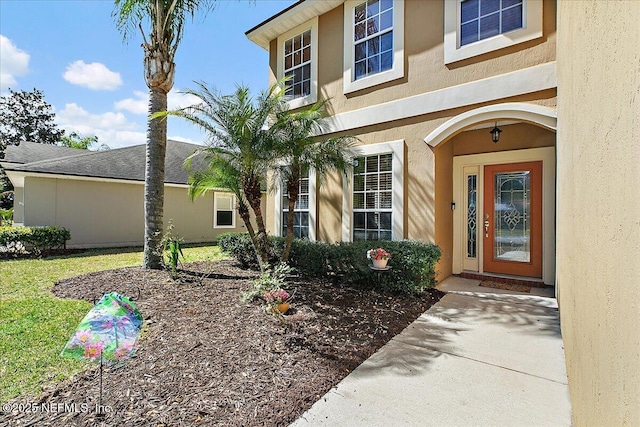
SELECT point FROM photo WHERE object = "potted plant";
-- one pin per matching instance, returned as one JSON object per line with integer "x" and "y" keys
{"x": 277, "y": 298}
{"x": 379, "y": 257}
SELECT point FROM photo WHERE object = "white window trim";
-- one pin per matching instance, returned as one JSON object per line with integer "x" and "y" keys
{"x": 312, "y": 25}
{"x": 397, "y": 204}
{"x": 278, "y": 217}
{"x": 216, "y": 196}
{"x": 396, "y": 72}
{"x": 532, "y": 29}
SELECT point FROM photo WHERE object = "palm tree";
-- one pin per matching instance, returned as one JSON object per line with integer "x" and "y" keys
{"x": 299, "y": 150}
{"x": 166, "y": 20}
{"x": 240, "y": 151}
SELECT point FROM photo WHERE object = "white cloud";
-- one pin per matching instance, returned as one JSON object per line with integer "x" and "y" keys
{"x": 111, "y": 128}
{"x": 139, "y": 103}
{"x": 95, "y": 76}
{"x": 14, "y": 63}
{"x": 177, "y": 100}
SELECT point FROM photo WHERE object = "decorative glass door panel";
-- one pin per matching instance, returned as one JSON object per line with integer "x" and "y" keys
{"x": 512, "y": 216}
{"x": 512, "y": 220}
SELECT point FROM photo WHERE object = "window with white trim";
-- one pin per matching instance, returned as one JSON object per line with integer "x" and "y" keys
{"x": 481, "y": 19}
{"x": 223, "y": 210}
{"x": 476, "y": 27}
{"x": 373, "y": 197}
{"x": 297, "y": 65}
{"x": 298, "y": 61}
{"x": 301, "y": 210}
{"x": 373, "y": 37}
{"x": 373, "y": 43}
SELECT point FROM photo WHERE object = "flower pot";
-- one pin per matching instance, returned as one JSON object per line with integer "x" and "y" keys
{"x": 380, "y": 263}
{"x": 282, "y": 308}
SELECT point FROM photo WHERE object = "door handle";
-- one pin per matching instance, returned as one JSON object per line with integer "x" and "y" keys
{"x": 486, "y": 228}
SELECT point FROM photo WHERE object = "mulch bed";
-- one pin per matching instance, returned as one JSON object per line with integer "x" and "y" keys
{"x": 505, "y": 286}
{"x": 206, "y": 358}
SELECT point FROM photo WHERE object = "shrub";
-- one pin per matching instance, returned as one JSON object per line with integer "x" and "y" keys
{"x": 412, "y": 262}
{"x": 38, "y": 240}
{"x": 6, "y": 216}
{"x": 240, "y": 247}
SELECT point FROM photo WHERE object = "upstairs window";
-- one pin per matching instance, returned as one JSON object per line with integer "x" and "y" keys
{"x": 373, "y": 43}
{"x": 297, "y": 59}
{"x": 373, "y": 37}
{"x": 482, "y": 19}
{"x": 476, "y": 27}
{"x": 297, "y": 65}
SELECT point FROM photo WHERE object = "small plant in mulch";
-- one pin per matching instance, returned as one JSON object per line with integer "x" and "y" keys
{"x": 269, "y": 288}
{"x": 172, "y": 249}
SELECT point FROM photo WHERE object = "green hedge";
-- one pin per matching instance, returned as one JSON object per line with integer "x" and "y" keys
{"x": 412, "y": 263}
{"x": 34, "y": 239}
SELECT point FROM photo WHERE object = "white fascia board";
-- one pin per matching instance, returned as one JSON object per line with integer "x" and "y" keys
{"x": 291, "y": 18}
{"x": 19, "y": 177}
{"x": 528, "y": 80}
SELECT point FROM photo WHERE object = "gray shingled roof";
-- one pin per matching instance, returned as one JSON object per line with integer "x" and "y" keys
{"x": 122, "y": 163}
{"x": 28, "y": 152}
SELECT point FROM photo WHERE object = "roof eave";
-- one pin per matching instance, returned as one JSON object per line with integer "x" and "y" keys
{"x": 289, "y": 18}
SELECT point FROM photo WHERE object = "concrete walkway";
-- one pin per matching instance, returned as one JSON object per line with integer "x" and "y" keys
{"x": 480, "y": 357}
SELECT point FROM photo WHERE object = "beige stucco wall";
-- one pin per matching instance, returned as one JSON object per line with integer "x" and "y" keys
{"x": 111, "y": 214}
{"x": 425, "y": 70}
{"x": 18, "y": 205}
{"x": 427, "y": 171}
{"x": 428, "y": 184}
{"x": 599, "y": 208}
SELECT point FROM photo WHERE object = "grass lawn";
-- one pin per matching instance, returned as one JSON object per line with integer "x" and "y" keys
{"x": 35, "y": 325}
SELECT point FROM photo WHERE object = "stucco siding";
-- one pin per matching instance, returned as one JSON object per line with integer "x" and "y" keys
{"x": 598, "y": 208}
{"x": 102, "y": 213}
{"x": 18, "y": 205}
{"x": 425, "y": 70}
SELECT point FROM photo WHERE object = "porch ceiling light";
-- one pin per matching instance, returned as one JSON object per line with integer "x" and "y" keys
{"x": 495, "y": 133}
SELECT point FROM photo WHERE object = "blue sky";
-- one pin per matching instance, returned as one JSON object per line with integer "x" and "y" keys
{"x": 73, "y": 52}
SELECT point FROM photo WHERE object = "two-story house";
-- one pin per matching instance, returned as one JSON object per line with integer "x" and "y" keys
{"x": 454, "y": 105}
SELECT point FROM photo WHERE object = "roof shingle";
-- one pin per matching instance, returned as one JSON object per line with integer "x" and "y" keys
{"x": 122, "y": 163}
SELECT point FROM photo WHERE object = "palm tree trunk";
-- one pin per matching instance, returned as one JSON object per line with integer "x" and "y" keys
{"x": 253, "y": 194}
{"x": 292, "y": 197}
{"x": 243, "y": 210}
{"x": 154, "y": 181}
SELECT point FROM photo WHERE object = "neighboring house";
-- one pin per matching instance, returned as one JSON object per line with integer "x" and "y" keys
{"x": 99, "y": 196}
{"x": 422, "y": 84}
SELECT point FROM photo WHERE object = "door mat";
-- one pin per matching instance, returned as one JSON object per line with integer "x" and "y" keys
{"x": 505, "y": 286}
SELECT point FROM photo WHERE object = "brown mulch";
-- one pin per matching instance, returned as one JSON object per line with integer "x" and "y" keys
{"x": 505, "y": 286}
{"x": 206, "y": 358}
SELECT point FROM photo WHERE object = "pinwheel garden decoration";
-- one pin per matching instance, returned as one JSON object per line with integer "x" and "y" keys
{"x": 107, "y": 334}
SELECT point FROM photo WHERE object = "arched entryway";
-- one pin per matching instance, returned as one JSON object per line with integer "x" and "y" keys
{"x": 497, "y": 200}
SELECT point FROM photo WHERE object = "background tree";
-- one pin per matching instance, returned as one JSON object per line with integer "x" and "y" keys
{"x": 165, "y": 20}
{"x": 299, "y": 150}
{"x": 74, "y": 140}
{"x": 240, "y": 151}
{"x": 26, "y": 116}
